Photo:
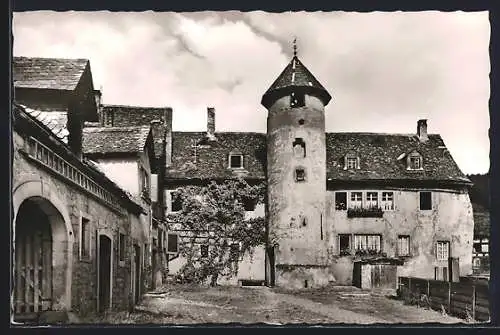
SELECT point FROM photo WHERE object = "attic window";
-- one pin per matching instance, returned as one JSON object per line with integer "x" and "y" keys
{"x": 297, "y": 100}
{"x": 415, "y": 161}
{"x": 351, "y": 161}
{"x": 235, "y": 160}
{"x": 299, "y": 148}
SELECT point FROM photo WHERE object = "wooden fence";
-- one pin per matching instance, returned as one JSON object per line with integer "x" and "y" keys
{"x": 457, "y": 298}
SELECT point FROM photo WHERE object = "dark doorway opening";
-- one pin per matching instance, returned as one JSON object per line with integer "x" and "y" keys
{"x": 137, "y": 264}
{"x": 104, "y": 283}
{"x": 271, "y": 266}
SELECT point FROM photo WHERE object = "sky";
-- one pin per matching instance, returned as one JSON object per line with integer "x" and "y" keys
{"x": 384, "y": 70}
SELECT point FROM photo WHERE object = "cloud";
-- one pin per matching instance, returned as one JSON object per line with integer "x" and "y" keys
{"x": 384, "y": 70}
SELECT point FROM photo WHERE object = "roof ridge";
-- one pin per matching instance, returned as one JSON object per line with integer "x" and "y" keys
{"x": 51, "y": 58}
{"x": 374, "y": 133}
{"x": 132, "y": 106}
{"x": 141, "y": 127}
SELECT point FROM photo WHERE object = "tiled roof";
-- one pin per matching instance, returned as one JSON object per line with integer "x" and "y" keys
{"x": 481, "y": 220}
{"x": 383, "y": 156}
{"x": 47, "y": 73}
{"x": 378, "y": 155}
{"x": 125, "y": 116}
{"x": 295, "y": 74}
{"x": 55, "y": 120}
{"x": 212, "y": 159}
{"x": 103, "y": 140}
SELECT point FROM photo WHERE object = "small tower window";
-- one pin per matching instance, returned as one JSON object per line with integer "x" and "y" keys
{"x": 299, "y": 148}
{"x": 301, "y": 122}
{"x": 300, "y": 175}
{"x": 297, "y": 100}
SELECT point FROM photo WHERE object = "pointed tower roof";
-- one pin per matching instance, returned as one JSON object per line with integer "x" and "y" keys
{"x": 295, "y": 77}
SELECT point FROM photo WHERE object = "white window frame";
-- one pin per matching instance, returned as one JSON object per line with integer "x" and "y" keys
{"x": 419, "y": 158}
{"x": 408, "y": 244}
{"x": 441, "y": 252}
{"x": 351, "y": 201}
{"x": 385, "y": 203}
{"x": 349, "y": 163}
{"x": 242, "y": 165}
{"x": 82, "y": 257}
{"x": 359, "y": 238}
{"x": 369, "y": 202}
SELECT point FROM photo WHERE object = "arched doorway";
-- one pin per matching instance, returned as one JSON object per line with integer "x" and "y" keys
{"x": 34, "y": 257}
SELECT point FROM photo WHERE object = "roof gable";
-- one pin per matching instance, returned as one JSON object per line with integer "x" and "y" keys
{"x": 47, "y": 73}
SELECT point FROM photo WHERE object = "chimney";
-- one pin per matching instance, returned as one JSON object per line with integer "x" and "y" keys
{"x": 168, "y": 136}
{"x": 211, "y": 123}
{"x": 422, "y": 130}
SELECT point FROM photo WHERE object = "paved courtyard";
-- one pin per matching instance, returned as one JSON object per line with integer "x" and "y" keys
{"x": 181, "y": 304}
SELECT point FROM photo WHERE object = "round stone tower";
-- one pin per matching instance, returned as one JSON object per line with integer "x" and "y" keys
{"x": 296, "y": 176}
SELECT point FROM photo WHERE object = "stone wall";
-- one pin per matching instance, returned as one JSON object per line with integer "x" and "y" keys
{"x": 76, "y": 202}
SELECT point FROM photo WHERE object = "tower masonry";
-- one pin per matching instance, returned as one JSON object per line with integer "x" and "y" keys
{"x": 296, "y": 176}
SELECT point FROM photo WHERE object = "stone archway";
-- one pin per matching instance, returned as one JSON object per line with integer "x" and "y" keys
{"x": 43, "y": 249}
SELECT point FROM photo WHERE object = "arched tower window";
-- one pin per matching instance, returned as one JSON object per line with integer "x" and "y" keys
{"x": 300, "y": 175}
{"x": 297, "y": 99}
{"x": 299, "y": 148}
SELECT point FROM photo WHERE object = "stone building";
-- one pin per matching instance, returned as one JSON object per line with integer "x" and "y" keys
{"x": 335, "y": 198}
{"x": 72, "y": 225}
{"x": 135, "y": 156}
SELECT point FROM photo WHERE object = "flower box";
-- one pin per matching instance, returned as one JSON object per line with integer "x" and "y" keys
{"x": 376, "y": 212}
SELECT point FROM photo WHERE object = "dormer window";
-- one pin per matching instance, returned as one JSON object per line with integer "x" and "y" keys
{"x": 351, "y": 161}
{"x": 236, "y": 160}
{"x": 415, "y": 161}
{"x": 297, "y": 100}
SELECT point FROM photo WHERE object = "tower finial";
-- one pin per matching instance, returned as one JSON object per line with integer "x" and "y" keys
{"x": 295, "y": 47}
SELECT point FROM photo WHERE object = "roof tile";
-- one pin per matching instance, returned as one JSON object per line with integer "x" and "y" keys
{"x": 102, "y": 140}
{"x": 47, "y": 73}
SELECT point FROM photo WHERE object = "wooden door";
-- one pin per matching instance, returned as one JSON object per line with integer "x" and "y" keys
{"x": 33, "y": 263}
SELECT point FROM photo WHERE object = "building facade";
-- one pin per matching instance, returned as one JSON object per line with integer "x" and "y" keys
{"x": 73, "y": 226}
{"x": 336, "y": 198}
